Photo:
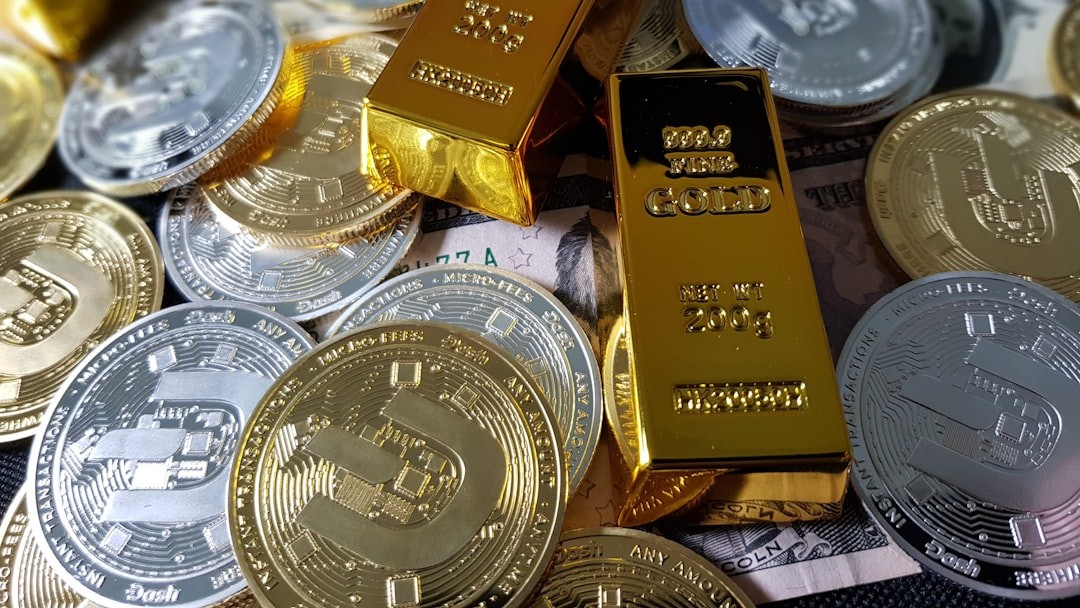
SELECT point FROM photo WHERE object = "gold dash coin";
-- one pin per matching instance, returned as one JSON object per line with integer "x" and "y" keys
{"x": 625, "y": 567}
{"x": 27, "y": 579}
{"x": 74, "y": 268}
{"x": 31, "y": 98}
{"x": 399, "y": 465}
{"x": 980, "y": 180}
{"x": 310, "y": 189}
{"x": 1065, "y": 53}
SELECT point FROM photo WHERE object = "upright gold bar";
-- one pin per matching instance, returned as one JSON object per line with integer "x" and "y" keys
{"x": 732, "y": 379}
{"x": 463, "y": 108}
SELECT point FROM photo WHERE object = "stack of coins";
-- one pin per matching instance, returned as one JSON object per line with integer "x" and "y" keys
{"x": 212, "y": 454}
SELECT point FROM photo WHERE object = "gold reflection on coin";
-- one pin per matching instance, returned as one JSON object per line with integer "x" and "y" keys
{"x": 31, "y": 97}
{"x": 1065, "y": 54}
{"x": 622, "y": 567}
{"x": 27, "y": 580}
{"x": 310, "y": 188}
{"x": 980, "y": 180}
{"x": 74, "y": 268}
{"x": 402, "y": 465}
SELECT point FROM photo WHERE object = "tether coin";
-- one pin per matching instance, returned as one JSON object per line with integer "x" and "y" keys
{"x": 74, "y": 268}
{"x": 959, "y": 391}
{"x": 310, "y": 189}
{"x": 980, "y": 180}
{"x": 188, "y": 91}
{"x": 31, "y": 96}
{"x": 515, "y": 314}
{"x": 131, "y": 470}
{"x": 851, "y": 55}
{"x": 399, "y": 465}
{"x": 209, "y": 258}
{"x": 27, "y": 580}
{"x": 625, "y": 567}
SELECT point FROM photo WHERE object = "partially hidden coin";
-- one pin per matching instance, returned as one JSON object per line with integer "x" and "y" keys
{"x": 190, "y": 89}
{"x": 1065, "y": 53}
{"x": 396, "y": 12}
{"x": 959, "y": 391}
{"x": 661, "y": 39}
{"x": 519, "y": 316}
{"x": 75, "y": 267}
{"x": 131, "y": 471}
{"x": 211, "y": 258}
{"x": 399, "y": 465}
{"x": 835, "y": 62}
{"x": 980, "y": 180}
{"x": 27, "y": 580}
{"x": 619, "y": 407}
{"x": 31, "y": 97}
{"x": 627, "y": 567}
{"x": 311, "y": 188}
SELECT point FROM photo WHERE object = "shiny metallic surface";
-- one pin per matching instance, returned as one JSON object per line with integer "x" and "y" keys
{"x": 399, "y": 465}
{"x": 515, "y": 314}
{"x": 831, "y": 53}
{"x": 980, "y": 180}
{"x": 157, "y": 111}
{"x": 661, "y": 38}
{"x": 75, "y": 267}
{"x": 31, "y": 96}
{"x": 131, "y": 471}
{"x": 311, "y": 188}
{"x": 397, "y": 12}
{"x": 26, "y": 579}
{"x": 210, "y": 258}
{"x": 1065, "y": 53}
{"x": 626, "y": 567}
{"x": 959, "y": 391}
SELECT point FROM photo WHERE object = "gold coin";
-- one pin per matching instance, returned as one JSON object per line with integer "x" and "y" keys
{"x": 26, "y": 579}
{"x": 1065, "y": 53}
{"x": 624, "y": 567}
{"x": 31, "y": 98}
{"x": 74, "y": 268}
{"x": 401, "y": 465}
{"x": 618, "y": 398}
{"x": 980, "y": 180}
{"x": 310, "y": 189}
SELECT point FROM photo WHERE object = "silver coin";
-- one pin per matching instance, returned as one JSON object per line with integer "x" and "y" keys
{"x": 131, "y": 469}
{"x": 210, "y": 258}
{"x": 516, "y": 314}
{"x": 660, "y": 39}
{"x": 157, "y": 111}
{"x": 824, "y": 52}
{"x": 960, "y": 393}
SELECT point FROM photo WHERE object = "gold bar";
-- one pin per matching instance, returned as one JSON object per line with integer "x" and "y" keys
{"x": 463, "y": 107}
{"x": 732, "y": 379}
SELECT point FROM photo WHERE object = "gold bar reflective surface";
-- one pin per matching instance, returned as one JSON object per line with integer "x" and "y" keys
{"x": 463, "y": 108}
{"x": 731, "y": 376}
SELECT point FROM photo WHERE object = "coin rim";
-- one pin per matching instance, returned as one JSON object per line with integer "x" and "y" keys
{"x": 29, "y": 161}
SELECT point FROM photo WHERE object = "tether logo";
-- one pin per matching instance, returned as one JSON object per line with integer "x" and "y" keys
{"x": 52, "y": 302}
{"x": 177, "y": 459}
{"x": 431, "y": 497}
{"x": 1002, "y": 438}
{"x": 1014, "y": 220}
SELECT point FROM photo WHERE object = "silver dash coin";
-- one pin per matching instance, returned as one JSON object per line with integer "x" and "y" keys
{"x": 960, "y": 393}
{"x": 516, "y": 314}
{"x": 208, "y": 257}
{"x": 131, "y": 469}
{"x": 831, "y": 53}
{"x": 157, "y": 111}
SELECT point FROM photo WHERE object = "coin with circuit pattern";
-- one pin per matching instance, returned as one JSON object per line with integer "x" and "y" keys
{"x": 187, "y": 91}
{"x": 31, "y": 96}
{"x": 131, "y": 469}
{"x": 959, "y": 391}
{"x": 516, "y": 314}
{"x": 311, "y": 189}
{"x": 74, "y": 268}
{"x": 210, "y": 258}
{"x": 626, "y": 567}
{"x": 399, "y": 465}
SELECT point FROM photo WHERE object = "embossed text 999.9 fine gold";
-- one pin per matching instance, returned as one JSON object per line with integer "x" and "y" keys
{"x": 729, "y": 361}
{"x": 458, "y": 108}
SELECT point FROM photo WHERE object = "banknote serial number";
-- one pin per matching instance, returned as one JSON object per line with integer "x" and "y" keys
{"x": 705, "y": 311}
{"x": 481, "y": 21}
